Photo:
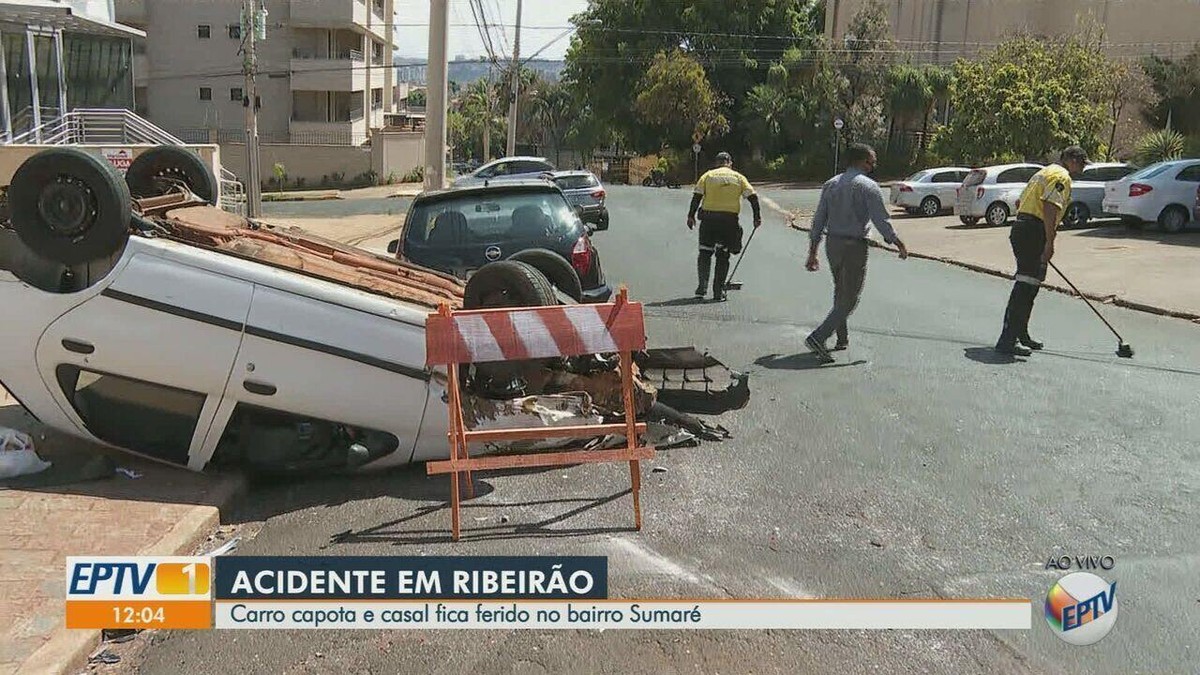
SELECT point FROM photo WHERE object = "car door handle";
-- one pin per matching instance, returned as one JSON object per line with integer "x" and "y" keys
{"x": 78, "y": 346}
{"x": 260, "y": 388}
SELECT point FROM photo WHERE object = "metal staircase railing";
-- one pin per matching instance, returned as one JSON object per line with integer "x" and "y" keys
{"x": 99, "y": 126}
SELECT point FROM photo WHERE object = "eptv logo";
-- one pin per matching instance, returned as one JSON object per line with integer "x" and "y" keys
{"x": 138, "y": 577}
{"x": 1082, "y": 608}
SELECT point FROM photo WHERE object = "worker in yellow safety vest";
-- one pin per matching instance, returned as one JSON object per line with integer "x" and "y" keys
{"x": 718, "y": 198}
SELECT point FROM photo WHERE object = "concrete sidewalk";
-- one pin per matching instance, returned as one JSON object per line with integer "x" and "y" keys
{"x": 374, "y": 192}
{"x": 1146, "y": 270}
{"x": 165, "y": 511}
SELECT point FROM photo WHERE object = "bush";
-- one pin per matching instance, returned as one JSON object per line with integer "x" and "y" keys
{"x": 416, "y": 175}
{"x": 1192, "y": 146}
{"x": 1159, "y": 146}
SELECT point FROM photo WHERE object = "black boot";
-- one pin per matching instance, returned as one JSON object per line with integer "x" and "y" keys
{"x": 703, "y": 264}
{"x": 1031, "y": 343}
{"x": 721, "y": 275}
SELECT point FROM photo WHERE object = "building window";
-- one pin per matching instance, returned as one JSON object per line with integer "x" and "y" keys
{"x": 235, "y": 94}
{"x": 205, "y": 93}
{"x": 203, "y": 31}
{"x": 376, "y": 99}
{"x": 235, "y": 32}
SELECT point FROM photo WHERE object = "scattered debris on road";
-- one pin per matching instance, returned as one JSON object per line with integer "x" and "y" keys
{"x": 17, "y": 456}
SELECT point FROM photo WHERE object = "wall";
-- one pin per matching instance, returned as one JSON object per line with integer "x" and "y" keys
{"x": 397, "y": 152}
{"x": 943, "y": 30}
{"x": 309, "y": 162}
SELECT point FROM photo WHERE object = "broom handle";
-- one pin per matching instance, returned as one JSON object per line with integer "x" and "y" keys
{"x": 1089, "y": 304}
{"x": 735, "y": 270}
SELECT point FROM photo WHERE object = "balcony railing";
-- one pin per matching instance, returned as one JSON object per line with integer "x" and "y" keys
{"x": 343, "y": 55}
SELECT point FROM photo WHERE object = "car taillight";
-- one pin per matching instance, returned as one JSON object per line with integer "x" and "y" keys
{"x": 978, "y": 193}
{"x": 906, "y": 188}
{"x": 1139, "y": 189}
{"x": 581, "y": 256}
{"x": 598, "y": 194}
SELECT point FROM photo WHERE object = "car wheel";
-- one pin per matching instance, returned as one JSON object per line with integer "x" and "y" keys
{"x": 1078, "y": 215}
{"x": 931, "y": 206}
{"x": 646, "y": 182}
{"x": 152, "y": 172}
{"x": 968, "y": 220}
{"x": 997, "y": 214}
{"x": 554, "y": 267}
{"x": 603, "y": 224}
{"x": 69, "y": 206}
{"x": 1173, "y": 219}
{"x": 1132, "y": 222}
{"x": 507, "y": 283}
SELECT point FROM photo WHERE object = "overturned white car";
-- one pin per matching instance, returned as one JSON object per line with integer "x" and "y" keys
{"x": 167, "y": 327}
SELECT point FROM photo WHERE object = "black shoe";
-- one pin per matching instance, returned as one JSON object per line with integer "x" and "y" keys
{"x": 1031, "y": 343}
{"x": 819, "y": 349}
{"x": 700, "y": 292}
{"x": 720, "y": 296}
{"x": 840, "y": 346}
{"x": 1012, "y": 349}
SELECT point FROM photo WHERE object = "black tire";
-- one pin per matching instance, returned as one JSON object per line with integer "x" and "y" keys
{"x": 172, "y": 162}
{"x": 69, "y": 207}
{"x": 507, "y": 283}
{"x": 646, "y": 182}
{"x": 912, "y": 210}
{"x": 603, "y": 222}
{"x": 931, "y": 206}
{"x": 554, "y": 267}
{"x": 1077, "y": 215}
{"x": 1132, "y": 222}
{"x": 1173, "y": 219}
{"x": 997, "y": 214}
{"x": 969, "y": 221}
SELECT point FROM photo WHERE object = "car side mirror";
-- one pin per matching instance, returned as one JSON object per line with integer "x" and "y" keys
{"x": 393, "y": 246}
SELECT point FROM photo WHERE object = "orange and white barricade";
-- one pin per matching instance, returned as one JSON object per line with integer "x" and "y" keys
{"x": 456, "y": 337}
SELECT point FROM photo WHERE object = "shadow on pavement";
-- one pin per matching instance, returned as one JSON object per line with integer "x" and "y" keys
{"x": 989, "y": 355}
{"x": 1189, "y": 237}
{"x": 805, "y": 361}
{"x": 677, "y": 302}
{"x": 391, "y": 532}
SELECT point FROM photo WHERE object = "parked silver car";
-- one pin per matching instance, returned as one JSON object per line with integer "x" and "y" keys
{"x": 929, "y": 192}
{"x": 506, "y": 168}
{"x": 992, "y": 192}
{"x": 1087, "y": 192}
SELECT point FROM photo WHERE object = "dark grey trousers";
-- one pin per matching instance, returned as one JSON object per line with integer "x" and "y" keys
{"x": 848, "y": 264}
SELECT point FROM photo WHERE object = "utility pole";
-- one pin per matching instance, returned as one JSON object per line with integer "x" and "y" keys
{"x": 437, "y": 86}
{"x": 254, "y": 27}
{"x": 515, "y": 89}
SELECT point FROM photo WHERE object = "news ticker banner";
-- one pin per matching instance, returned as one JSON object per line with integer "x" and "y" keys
{"x": 451, "y": 592}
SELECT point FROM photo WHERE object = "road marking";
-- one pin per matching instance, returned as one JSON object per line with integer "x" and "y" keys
{"x": 790, "y": 587}
{"x": 644, "y": 557}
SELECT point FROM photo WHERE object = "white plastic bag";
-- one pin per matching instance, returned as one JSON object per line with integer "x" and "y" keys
{"x": 17, "y": 457}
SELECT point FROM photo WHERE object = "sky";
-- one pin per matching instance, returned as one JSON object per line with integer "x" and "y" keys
{"x": 541, "y": 22}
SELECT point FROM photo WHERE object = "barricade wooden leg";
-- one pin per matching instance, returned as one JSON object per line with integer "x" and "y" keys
{"x": 456, "y": 443}
{"x": 631, "y": 438}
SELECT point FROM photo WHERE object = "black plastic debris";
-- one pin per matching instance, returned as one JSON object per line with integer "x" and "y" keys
{"x": 669, "y": 416}
{"x": 694, "y": 382}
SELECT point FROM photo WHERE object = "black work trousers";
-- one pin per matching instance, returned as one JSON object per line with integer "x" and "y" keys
{"x": 1028, "y": 239}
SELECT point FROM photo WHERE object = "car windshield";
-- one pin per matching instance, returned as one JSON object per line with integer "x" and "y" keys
{"x": 1151, "y": 171}
{"x": 575, "y": 182}
{"x": 484, "y": 218}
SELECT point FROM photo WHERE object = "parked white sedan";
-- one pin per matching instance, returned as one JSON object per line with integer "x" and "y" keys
{"x": 929, "y": 192}
{"x": 1163, "y": 192}
{"x": 992, "y": 192}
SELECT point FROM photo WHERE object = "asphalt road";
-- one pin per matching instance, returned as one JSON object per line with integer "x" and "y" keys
{"x": 918, "y": 465}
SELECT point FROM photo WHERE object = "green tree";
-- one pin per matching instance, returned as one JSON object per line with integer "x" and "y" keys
{"x": 1125, "y": 87}
{"x": 1160, "y": 146}
{"x": 617, "y": 40}
{"x": 1026, "y": 99}
{"x": 553, "y": 109}
{"x": 676, "y": 97}
{"x": 862, "y": 64}
{"x": 1177, "y": 85}
{"x": 478, "y": 105}
{"x": 909, "y": 95}
{"x": 416, "y": 97}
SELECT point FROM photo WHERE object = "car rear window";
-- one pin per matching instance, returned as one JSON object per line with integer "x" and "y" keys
{"x": 1020, "y": 174}
{"x": 917, "y": 176}
{"x": 1151, "y": 171}
{"x": 576, "y": 182}
{"x": 975, "y": 177}
{"x": 482, "y": 218}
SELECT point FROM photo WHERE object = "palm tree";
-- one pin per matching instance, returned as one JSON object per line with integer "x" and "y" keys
{"x": 909, "y": 93}
{"x": 764, "y": 115}
{"x": 552, "y": 111}
{"x": 478, "y": 105}
{"x": 939, "y": 79}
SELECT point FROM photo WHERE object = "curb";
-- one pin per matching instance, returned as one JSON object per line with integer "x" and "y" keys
{"x": 67, "y": 650}
{"x": 1103, "y": 299}
{"x": 302, "y": 198}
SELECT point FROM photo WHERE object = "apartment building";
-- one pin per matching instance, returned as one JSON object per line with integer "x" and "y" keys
{"x": 939, "y": 31}
{"x": 324, "y": 68}
{"x": 58, "y": 55}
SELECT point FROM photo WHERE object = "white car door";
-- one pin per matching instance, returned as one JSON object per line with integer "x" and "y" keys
{"x": 143, "y": 364}
{"x": 1183, "y": 187}
{"x": 944, "y": 185}
{"x": 330, "y": 362}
